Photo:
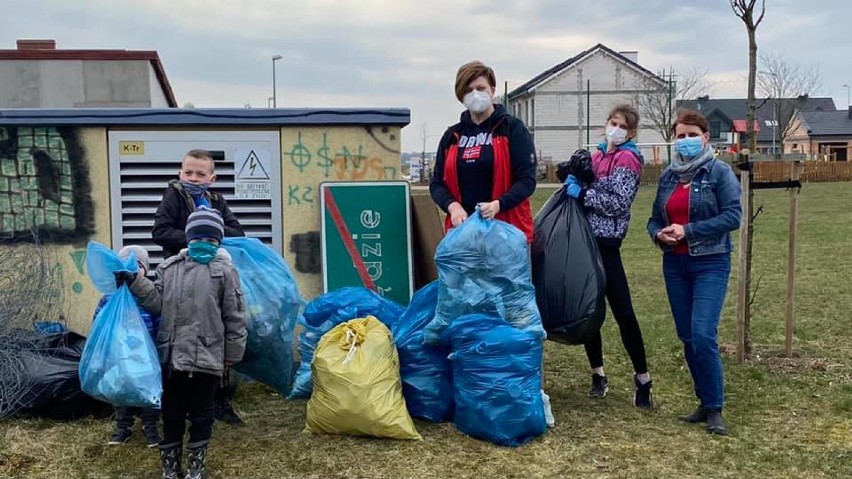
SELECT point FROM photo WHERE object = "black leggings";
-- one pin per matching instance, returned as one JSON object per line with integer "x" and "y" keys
{"x": 618, "y": 296}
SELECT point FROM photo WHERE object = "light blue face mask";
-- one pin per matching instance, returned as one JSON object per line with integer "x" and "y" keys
{"x": 689, "y": 147}
{"x": 202, "y": 251}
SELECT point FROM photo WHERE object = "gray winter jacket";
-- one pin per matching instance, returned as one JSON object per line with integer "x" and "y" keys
{"x": 202, "y": 317}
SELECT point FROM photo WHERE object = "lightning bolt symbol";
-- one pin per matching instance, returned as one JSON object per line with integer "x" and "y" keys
{"x": 252, "y": 166}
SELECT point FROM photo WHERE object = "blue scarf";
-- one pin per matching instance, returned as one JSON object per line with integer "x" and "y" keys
{"x": 628, "y": 145}
{"x": 197, "y": 192}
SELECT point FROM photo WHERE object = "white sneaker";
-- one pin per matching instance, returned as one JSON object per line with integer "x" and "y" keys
{"x": 548, "y": 413}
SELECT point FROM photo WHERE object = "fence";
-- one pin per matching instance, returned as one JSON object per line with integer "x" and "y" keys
{"x": 812, "y": 172}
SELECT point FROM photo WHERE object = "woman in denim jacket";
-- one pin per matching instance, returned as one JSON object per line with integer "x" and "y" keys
{"x": 696, "y": 209}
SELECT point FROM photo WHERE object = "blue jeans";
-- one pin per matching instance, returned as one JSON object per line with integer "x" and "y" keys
{"x": 696, "y": 286}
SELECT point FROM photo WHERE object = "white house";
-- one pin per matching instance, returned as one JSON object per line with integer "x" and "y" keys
{"x": 565, "y": 107}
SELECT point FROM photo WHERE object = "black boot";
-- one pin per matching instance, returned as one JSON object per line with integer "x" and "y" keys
{"x": 196, "y": 462}
{"x": 222, "y": 408}
{"x": 223, "y": 411}
{"x": 699, "y": 415}
{"x": 170, "y": 456}
{"x": 715, "y": 423}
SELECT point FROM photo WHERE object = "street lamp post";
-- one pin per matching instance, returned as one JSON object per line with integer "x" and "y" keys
{"x": 274, "y": 84}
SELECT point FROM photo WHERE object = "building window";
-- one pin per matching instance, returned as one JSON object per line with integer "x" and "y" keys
{"x": 715, "y": 129}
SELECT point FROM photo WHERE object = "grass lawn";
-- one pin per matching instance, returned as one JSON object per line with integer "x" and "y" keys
{"x": 789, "y": 418}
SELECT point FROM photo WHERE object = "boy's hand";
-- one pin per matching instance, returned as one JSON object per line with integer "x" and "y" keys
{"x": 124, "y": 277}
{"x": 228, "y": 364}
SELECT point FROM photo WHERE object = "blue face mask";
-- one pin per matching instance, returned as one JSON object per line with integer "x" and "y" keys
{"x": 194, "y": 189}
{"x": 689, "y": 147}
{"x": 202, "y": 251}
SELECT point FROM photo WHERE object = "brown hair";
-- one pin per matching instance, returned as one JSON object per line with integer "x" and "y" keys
{"x": 201, "y": 155}
{"x": 469, "y": 72}
{"x": 630, "y": 114}
{"x": 690, "y": 117}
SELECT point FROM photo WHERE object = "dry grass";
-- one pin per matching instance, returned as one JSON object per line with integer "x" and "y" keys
{"x": 789, "y": 417}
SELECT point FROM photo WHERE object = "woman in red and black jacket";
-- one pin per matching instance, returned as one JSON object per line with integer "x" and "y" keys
{"x": 487, "y": 158}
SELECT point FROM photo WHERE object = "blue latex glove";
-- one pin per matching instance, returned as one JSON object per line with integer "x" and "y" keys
{"x": 572, "y": 187}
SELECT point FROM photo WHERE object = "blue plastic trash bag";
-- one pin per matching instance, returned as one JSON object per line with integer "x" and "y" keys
{"x": 102, "y": 263}
{"x": 484, "y": 267}
{"x": 497, "y": 377}
{"x": 119, "y": 364}
{"x": 273, "y": 306}
{"x": 327, "y": 311}
{"x": 427, "y": 376}
{"x": 352, "y": 302}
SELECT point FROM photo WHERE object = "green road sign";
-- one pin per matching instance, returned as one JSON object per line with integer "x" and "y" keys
{"x": 366, "y": 237}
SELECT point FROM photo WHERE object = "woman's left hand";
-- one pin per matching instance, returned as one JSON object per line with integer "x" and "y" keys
{"x": 489, "y": 210}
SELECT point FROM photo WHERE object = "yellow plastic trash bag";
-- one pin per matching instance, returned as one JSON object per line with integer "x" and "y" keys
{"x": 356, "y": 382}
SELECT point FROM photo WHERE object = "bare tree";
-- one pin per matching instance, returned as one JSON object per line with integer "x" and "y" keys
{"x": 656, "y": 97}
{"x": 788, "y": 86}
{"x": 745, "y": 11}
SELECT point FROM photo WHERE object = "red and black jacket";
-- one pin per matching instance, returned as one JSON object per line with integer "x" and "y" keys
{"x": 504, "y": 168}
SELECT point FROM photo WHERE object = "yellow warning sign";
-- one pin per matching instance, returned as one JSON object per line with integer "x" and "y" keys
{"x": 131, "y": 148}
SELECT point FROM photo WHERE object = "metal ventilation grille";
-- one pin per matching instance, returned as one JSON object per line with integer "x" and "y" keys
{"x": 142, "y": 182}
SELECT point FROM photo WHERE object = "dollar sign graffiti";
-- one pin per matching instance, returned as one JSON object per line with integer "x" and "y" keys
{"x": 300, "y": 156}
{"x": 325, "y": 161}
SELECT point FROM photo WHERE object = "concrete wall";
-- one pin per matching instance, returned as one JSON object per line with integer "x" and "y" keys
{"x": 56, "y": 180}
{"x": 75, "y": 83}
{"x": 55, "y": 195}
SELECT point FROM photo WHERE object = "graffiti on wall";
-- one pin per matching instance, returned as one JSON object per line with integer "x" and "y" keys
{"x": 44, "y": 185}
{"x": 318, "y": 157}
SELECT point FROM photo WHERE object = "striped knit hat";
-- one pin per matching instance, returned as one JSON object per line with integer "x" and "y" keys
{"x": 205, "y": 223}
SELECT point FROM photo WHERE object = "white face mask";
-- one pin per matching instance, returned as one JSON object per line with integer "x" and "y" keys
{"x": 616, "y": 135}
{"x": 477, "y": 101}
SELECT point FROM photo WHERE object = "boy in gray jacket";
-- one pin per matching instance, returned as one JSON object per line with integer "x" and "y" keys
{"x": 202, "y": 330}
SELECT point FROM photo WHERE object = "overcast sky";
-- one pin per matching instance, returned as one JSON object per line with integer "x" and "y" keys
{"x": 404, "y": 53}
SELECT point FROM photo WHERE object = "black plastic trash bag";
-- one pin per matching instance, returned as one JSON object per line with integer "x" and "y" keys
{"x": 579, "y": 165}
{"x": 567, "y": 272}
{"x": 47, "y": 375}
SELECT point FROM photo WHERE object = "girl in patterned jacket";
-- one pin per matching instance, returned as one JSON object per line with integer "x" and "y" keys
{"x": 607, "y": 201}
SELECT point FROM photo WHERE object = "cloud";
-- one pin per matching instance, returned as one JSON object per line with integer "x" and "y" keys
{"x": 404, "y": 53}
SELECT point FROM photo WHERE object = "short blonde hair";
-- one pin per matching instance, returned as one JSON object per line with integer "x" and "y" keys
{"x": 471, "y": 71}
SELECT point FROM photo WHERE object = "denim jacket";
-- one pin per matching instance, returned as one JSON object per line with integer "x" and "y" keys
{"x": 714, "y": 209}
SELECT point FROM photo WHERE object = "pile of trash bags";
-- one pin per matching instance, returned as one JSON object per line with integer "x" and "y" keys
{"x": 356, "y": 384}
{"x": 273, "y": 307}
{"x": 427, "y": 377}
{"x": 329, "y": 310}
{"x": 119, "y": 364}
{"x": 483, "y": 267}
{"x": 567, "y": 271}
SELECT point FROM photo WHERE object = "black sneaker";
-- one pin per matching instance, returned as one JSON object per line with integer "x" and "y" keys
{"x": 642, "y": 396}
{"x": 699, "y": 415}
{"x": 599, "y": 386}
{"x": 152, "y": 437}
{"x": 119, "y": 436}
{"x": 715, "y": 423}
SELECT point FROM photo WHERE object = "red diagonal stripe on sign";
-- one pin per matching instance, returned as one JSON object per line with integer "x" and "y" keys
{"x": 348, "y": 242}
